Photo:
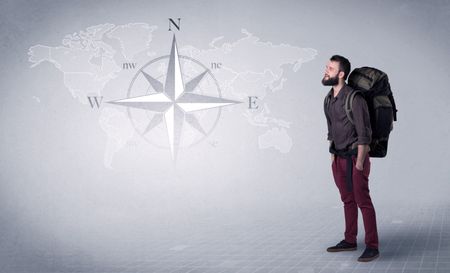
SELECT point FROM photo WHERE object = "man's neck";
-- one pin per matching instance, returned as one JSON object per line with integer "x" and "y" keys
{"x": 337, "y": 88}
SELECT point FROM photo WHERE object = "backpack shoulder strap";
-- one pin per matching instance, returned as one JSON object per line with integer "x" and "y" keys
{"x": 348, "y": 106}
{"x": 394, "y": 107}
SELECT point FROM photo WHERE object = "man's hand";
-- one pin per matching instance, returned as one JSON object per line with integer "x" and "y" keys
{"x": 359, "y": 166}
{"x": 332, "y": 158}
{"x": 363, "y": 150}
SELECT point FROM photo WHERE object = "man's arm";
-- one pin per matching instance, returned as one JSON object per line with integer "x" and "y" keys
{"x": 363, "y": 150}
{"x": 364, "y": 131}
{"x": 332, "y": 155}
{"x": 328, "y": 126}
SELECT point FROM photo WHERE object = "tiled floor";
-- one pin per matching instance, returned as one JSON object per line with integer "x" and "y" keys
{"x": 412, "y": 239}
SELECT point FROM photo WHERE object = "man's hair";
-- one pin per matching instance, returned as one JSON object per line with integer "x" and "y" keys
{"x": 344, "y": 64}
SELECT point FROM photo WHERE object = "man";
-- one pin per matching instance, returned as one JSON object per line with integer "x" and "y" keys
{"x": 349, "y": 147}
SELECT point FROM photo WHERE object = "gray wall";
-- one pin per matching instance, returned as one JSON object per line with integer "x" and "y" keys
{"x": 55, "y": 191}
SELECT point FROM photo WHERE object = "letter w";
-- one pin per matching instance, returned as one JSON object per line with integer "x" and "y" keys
{"x": 95, "y": 101}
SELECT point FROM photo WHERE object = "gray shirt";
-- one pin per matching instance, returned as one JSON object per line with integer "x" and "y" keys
{"x": 340, "y": 130}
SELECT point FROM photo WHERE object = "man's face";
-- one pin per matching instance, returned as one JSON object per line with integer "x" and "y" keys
{"x": 331, "y": 76}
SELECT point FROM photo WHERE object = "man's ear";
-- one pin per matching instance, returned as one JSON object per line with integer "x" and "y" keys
{"x": 341, "y": 74}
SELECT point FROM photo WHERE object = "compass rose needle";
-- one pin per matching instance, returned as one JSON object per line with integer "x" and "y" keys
{"x": 154, "y": 102}
{"x": 156, "y": 120}
{"x": 174, "y": 86}
{"x": 192, "y": 84}
{"x": 157, "y": 85}
{"x": 193, "y": 121}
{"x": 190, "y": 102}
{"x": 174, "y": 118}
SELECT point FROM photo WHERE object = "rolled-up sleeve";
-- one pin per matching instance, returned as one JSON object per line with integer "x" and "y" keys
{"x": 361, "y": 119}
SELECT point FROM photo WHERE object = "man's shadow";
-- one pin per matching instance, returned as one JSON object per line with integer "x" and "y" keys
{"x": 411, "y": 242}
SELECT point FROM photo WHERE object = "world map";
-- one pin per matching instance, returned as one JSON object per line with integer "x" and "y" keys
{"x": 95, "y": 62}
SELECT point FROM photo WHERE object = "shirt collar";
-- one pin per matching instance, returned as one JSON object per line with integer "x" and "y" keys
{"x": 342, "y": 92}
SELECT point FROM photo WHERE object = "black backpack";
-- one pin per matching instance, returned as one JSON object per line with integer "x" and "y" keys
{"x": 373, "y": 85}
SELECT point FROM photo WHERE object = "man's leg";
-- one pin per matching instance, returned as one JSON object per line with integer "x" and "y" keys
{"x": 362, "y": 198}
{"x": 350, "y": 208}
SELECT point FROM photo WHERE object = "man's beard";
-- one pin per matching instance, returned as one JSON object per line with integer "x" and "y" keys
{"x": 331, "y": 81}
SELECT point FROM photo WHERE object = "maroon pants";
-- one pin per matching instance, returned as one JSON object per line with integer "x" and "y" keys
{"x": 358, "y": 197}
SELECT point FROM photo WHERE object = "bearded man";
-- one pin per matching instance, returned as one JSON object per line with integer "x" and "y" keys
{"x": 349, "y": 147}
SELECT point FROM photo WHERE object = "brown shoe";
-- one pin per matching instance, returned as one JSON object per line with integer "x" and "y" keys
{"x": 342, "y": 246}
{"x": 369, "y": 254}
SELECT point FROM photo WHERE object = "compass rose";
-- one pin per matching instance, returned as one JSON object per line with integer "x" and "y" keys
{"x": 171, "y": 101}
